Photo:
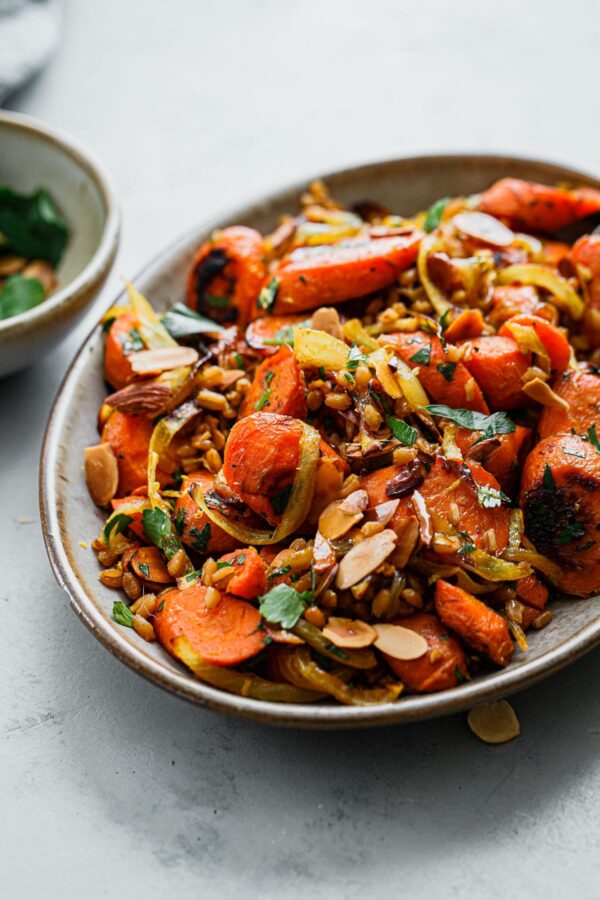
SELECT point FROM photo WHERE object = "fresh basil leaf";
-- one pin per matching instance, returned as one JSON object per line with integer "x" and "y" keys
{"x": 404, "y": 433}
{"x": 422, "y": 356}
{"x": 122, "y": 614}
{"x": 434, "y": 214}
{"x": 446, "y": 369}
{"x": 496, "y": 423}
{"x": 18, "y": 295}
{"x": 31, "y": 225}
{"x": 115, "y": 525}
{"x": 183, "y": 322}
{"x": 268, "y": 295}
{"x": 159, "y": 530}
{"x": 282, "y": 605}
{"x": 490, "y": 497}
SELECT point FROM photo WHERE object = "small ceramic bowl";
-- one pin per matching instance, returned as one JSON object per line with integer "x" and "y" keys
{"x": 34, "y": 155}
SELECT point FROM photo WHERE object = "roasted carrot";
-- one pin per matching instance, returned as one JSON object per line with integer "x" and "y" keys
{"x": 551, "y": 336}
{"x": 278, "y": 387}
{"x": 531, "y": 591}
{"x": 560, "y": 497}
{"x": 149, "y": 565}
{"x": 269, "y": 333}
{"x": 510, "y": 300}
{"x": 479, "y": 626}
{"x": 226, "y": 274}
{"x": 197, "y": 531}
{"x": 250, "y": 578}
{"x": 444, "y": 381}
{"x": 443, "y": 666}
{"x": 452, "y": 491}
{"x": 312, "y": 276}
{"x": 224, "y": 635}
{"x": 129, "y": 436}
{"x": 537, "y": 207}
{"x": 120, "y": 342}
{"x": 586, "y": 256}
{"x": 581, "y": 389}
{"x": 469, "y": 323}
{"x": 501, "y": 457}
{"x": 497, "y": 365}
{"x": 136, "y": 515}
{"x": 555, "y": 252}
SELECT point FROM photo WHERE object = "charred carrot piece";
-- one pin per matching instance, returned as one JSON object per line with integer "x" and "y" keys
{"x": 250, "y": 577}
{"x": 278, "y": 387}
{"x": 468, "y": 324}
{"x": 444, "y": 381}
{"x": 129, "y": 436}
{"x": 224, "y": 635}
{"x": 197, "y": 531}
{"x": 226, "y": 275}
{"x": 586, "y": 256}
{"x": 478, "y": 625}
{"x": 552, "y": 337}
{"x": 497, "y": 365}
{"x": 581, "y": 390}
{"x": 531, "y": 591}
{"x": 538, "y": 207}
{"x": 442, "y": 667}
{"x": 120, "y": 342}
{"x": 560, "y": 497}
{"x": 268, "y": 333}
{"x": 311, "y": 276}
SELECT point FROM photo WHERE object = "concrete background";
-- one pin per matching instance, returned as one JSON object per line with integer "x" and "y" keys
{"x": 110, "y": 788}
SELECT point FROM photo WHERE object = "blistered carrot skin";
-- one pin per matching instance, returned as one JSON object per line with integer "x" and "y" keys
{"x": 551, "y": 336}
{"x": 479, "y": 626}
{"x": 226, "y": 275}
{"x": 443, "y": 666}
{"x": 250, "y": 575}
{"x": 278, "y": 387}
{"x": 312, "y": 277}
{"x": 586, "y": 257}
{"x": 129, "y": 437}
{"x": 224, "y": 635}
{"x": 444, "y": 381}
{"x": 267, "y": 334}
{"x": 560, "y": 497}
{"x": 581, "y": 390}
{"x": 498, "y": 366}
{"x": 537, "y": 207}
{"x": 197, "y": 531}
{"x": 118, "y": 346}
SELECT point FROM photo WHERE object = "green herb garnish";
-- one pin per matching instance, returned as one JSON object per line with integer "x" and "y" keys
{"x": 131, "y": 341}
{"x": 422, "y": 356}
{"x": 158, "y": 528}
{"x": 404, "y": 433}
{"x": 592, "y": 437}
{"x": 548, "y": 479}
{"x": 490, "y": 497}
{"x": 282, "y": 605}
{"x": 268, "y": 295}
{"x": 31, "y": 226}
{"x": 497, "y": 423}
{"x": 115, "y": 525}
{"x": 266, "y": 396}
{"x": 281, "y": 499}
{"x": 18, "y": 295}
{"x": 182, "y": 322}
{"x": 200, "y": 538}
{"x": 446, "y": 369}
{"x": 434, "y": 215}
{"x": 122, "y": 614}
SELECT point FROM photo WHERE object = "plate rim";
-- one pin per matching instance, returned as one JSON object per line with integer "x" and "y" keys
{"x": 410, "y": 708}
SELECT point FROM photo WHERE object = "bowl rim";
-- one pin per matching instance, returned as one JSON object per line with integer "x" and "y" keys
{"x": 104, "y": 253}
{"x": 410, "y": 708}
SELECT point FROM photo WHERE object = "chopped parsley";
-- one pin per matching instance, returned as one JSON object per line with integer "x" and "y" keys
{"x": 144, "y": 569}
{"x": 266, "y": 396}
{"x": 496, "y": 423}
{"x": 282, "y": 605}
{"x": 268, "y": 295}
{"x": 355, "y": 356}
{"x": 216, "y": 301}
{"x": 159, "y": 530}
{"x": 572, "y": 531}
{"x": 446, "y": 369}
{"x": 239, "y": 361}
{"x": 322, "y": 373}
{"x": 132, "y": 341}
{"x": 404, "y": 433}
{"x": 434, "y": 215}
{"x": 592, "y": 437}
{"x": 548, "y": 479}
{"x": 422, "y": 356}
{"x": 277, "y": 573}
{"x": 122, "y": 614}
{"x": 115, "y": 525}
{"x": 200, "y": 538}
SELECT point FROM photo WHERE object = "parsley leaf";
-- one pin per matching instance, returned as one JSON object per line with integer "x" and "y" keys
{"x": 446, "y": 369}
{"x": 158, "y": 529}
{"x": 404, "y": 433}
{"x": 264, "y": 399}
{"x": 132, "y": 341}
{"x": 282, "y": 605}
{"x": 268, "y": 295}
{"x": 32, "y": 226}
{"x": 355, "y": 356}
{"x": 182, "y": 322}
{"x": 200, "y": 538}
{"x": 592, "y": 437}
{"x": 434, "y": 214}
{"x": 18, "y": 295}
{"x": 122, "y": 614}
{"x": 115, "y": 525}
{"x": 490, "y": 497}
{"x": 548, "y": 479}
{"x": 497, "y": 423}
{"x": 422, "y": 356}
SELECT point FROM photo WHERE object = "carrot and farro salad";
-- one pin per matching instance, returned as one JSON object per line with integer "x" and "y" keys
{"x": 363, "y": 456}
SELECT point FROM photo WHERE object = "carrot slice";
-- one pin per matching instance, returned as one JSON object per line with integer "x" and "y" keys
{"x": 442, "y": 667}
{"x": 497, "y": 365}
{"x": 581, "y": 389}
{"x": 555, "y": 252}
{"x": 504, "y": 457}
{"x": 560, "y": 497}
{"x": 278, "y": 387}
{"x": 225, "y": 635}
{"x": 538, "y": 207}
{"x": 129, "y": 436}
{"x": 478, "y": 625}
{"x": 445, "y": 381}
{"x": 197, "y": 531}
{"x": 119, "y": 344}
{"x": 510, "y": 300}
{"x": 313, "y": 276}
{"x": 586, "y": 256}
{"x": 531, "y": 591}
{"x": 250, "y": 578}
{"x": 136, "y": 515}
{"x": 552, "y": 337}
{"x": 268, "y": 333}
{"x": 226, "y": 274}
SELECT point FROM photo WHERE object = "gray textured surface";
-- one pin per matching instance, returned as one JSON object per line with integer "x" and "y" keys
{"x": 109, "y": 787}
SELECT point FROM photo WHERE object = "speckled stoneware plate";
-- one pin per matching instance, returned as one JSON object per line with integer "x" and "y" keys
{"x": 68, "y": 515}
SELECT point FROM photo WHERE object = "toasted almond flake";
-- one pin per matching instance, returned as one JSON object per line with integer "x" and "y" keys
{"x": 408, "y": 535}
{"x": 424, "y": 518}
{"x": 350, "y": 633}
{"x": 230, "y": 376}
{"x": 542, "y": 393}
{"x": 399, "y": 642}
{"x": 323, "y": 554}
{"x": 355, "y": 503}
{"x": 384, "y": 512}
{"x": 149, "y": 362}
{"x": 327, "y": 318}
{"x": 364, "y": 558}
{"x": 101, "y": 473}
{"x": 532, "y": 373}
{"x": 494, "y": 723}
{"x": 484, "y": 228}
{"x": 334, "y": 522}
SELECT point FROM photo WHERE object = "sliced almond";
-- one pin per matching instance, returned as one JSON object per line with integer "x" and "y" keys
{"x": 327, "y": 318}
{"x": 323, "y": 554}
{"x": 349, "y": 633}
{"x": 149, "y": 362}
{"x": 425, "y": 523}
{"x": 484, "y": 228}
{"x": 334, "y": 522}
{"x": 494, "y": 723}
{"x": 399, "y": 642}
{"x": 364, "y": 558}
{"x": 408, "y": 532}
{"x": 384, "y": 512}
{"x": 101, "y": 473}
{"x": 141, "y": 398}
{"x": 538, "y": 390}
{"x": 230, "y": 376}
{"x": 356, "y": 502}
